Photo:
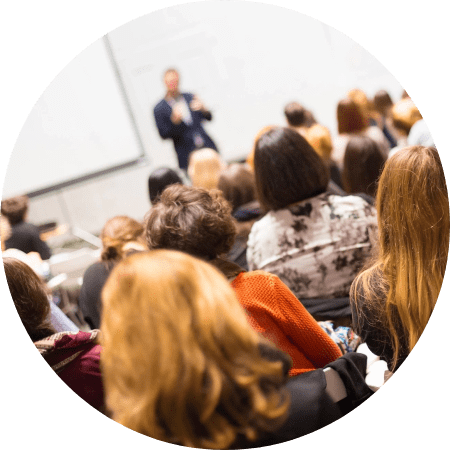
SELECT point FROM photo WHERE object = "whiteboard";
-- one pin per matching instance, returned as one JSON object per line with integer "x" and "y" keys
{"x": 80, "y": 125}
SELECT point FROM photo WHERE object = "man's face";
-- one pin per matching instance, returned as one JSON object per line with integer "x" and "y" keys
{"x": 171, "y": 81}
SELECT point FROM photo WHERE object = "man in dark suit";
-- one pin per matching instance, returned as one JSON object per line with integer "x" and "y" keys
{"x": 179, "y": 117}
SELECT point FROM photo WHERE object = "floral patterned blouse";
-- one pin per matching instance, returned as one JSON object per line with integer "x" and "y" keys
{"x": 317, "y": 246}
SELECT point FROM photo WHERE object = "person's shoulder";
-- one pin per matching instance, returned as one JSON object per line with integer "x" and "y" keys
{"x": 98, "y": 269}
{"x": 160, "y": 106}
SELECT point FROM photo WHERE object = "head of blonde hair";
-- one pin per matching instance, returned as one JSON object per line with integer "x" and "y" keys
{"x": 403, "y": 283}
{"x": 319, "y": 138}
{"x": 204, "y": 168}
{"x": 180, "y": 362}
{"x": 404, "y": 115}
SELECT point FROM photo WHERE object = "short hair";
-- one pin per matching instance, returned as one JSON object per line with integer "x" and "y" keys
{"x": 116, "y": 233}
{"x": 15, "y": 208}
{"x": 204, "y": 167}
{"x": 159, "y": 179}
{"x": 298, "y": 116}
{"x": 180, "y": 350}
{"x": 29, "y": 295}
{"x": 350, "y": 118}
{"x": 287, "y": 169}
{"x": 237, "y": 184}
{"x": 405, "y": 114}
{"x": 192, "y": 220}
{"x": 382, "y": 102}
{"x": 170, "y": 70}
{"x": 363, "y": 164}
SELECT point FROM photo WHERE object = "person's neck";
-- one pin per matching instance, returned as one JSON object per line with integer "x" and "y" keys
{"x": 172, "y": 95}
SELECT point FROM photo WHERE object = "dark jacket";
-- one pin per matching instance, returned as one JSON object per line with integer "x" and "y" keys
{"x": 311, "y": 407}
{"x": 183, "y": 135}
{"x": 25, "y": 237}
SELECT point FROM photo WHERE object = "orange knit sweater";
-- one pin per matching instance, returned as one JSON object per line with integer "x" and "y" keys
{"x": 274, "y": 311}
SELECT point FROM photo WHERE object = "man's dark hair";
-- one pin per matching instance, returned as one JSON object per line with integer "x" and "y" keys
{"x": 159, "y": 179}
{"x": 14, "y": 209}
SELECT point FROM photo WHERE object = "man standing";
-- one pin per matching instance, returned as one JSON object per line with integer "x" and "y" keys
{"x": 179, "y": 117}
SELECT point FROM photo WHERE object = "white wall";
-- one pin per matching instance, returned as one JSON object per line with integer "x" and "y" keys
{"x": 245, "y": 60}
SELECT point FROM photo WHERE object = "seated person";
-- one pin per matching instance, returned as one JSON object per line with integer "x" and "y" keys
{"x": 298, "y": 117}
{"x": 320, "y": 140}
{"x": 393, "y": 299}
{"x": 159, "y": 179}
{"x": 237, "y": 184}
{"x": 120, "y": 237}
{"x": 199, "y": 223}
{"x": 74, "y": 356}
{"x": 24, "y": 236}
{"x": 363, "y": 164}
{"x": 204, "y": 168}
{"x": 315, "y": 241}
{"x": 182, "y": 365}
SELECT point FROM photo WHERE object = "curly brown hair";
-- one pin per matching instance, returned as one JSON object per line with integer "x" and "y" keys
{"x": 192, "y": 220}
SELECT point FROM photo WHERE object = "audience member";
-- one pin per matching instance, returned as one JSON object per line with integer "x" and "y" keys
{"x": 363, "y": 163}
{"x": 199, "y": 222}
{"x": 59, "y": 321}
{"x": 24, "y": 236}
{"x": 74, "y": 356}
{"x": 120, "y": 237}
{"x": 382, "y": 104}
{"x": 204, "y": 168}
{"x": 33, "y": 259}
{"x": 404, "y": 115}
{"x": 159, "y": 179}
{"x": 320, "y": 140}
{"x": 352, "y": 122}
{"x": 298, "y": 117}
{"x": 237, "y": 184}
{"x": 182, "y": 365}
{"x": 314, "y": 241}
{"x": 393, "y": 299}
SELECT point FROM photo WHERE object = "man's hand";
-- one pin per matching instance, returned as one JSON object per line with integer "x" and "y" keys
{"x": 197, "y": 105}
{"x": 177, "y": 115}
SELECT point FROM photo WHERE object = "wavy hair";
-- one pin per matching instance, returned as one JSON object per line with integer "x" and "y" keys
{"x": 191, "y": 220}
{"x": 180, "y": 362}
{"x": 117, "y": 232}
{"x": 403, "y": 283}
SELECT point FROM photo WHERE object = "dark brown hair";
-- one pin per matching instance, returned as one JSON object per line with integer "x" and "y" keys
{"x": 14, "y": 209}
{"x": 349, "y": 117}
{"x": 191, "y": 220}
{"x": 287, "y": 169}
{"x": 363, "y": 164}
{"x": 382, "y": 102}
{"x": 297, "y": 115}
{"x": 29, "y": 294}
{"x": 237, "y": 184}
{"x": 159, "y": 179}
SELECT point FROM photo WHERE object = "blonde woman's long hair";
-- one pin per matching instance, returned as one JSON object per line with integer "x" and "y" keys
{"x": 403, "y": 283}
{"x": 180, "y": 362}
